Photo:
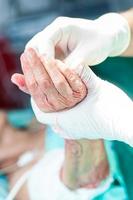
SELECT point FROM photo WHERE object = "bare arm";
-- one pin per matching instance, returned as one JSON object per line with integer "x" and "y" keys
{"x": 85, "y": 164}
{"x": 129, "y": 17}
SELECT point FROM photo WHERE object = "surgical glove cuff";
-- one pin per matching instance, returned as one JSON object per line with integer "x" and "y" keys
{"x": 117, "y": 27}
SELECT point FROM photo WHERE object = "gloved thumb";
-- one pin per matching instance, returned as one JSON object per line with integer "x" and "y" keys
{"x": 45, "y": 41}
{"x": 76, "y": 58}
{"x": 80, "y": 56}
{"x": 42, "y": 46}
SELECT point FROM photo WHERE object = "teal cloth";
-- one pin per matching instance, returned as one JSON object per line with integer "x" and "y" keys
{"x": 117, "y": 190}
{"x": 20, "y": 118}
{"x": 3, "y": 187}
{"x": 53, "y": 140}
{"x": 119, "y": 70}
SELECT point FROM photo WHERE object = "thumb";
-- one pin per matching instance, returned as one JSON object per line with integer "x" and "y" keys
{"x": 42, "y": 46}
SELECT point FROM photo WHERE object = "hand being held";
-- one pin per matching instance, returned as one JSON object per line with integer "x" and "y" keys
{"x": 51, "y": 84}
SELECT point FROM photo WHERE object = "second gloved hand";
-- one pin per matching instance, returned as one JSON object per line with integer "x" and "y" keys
{"x": 106, "y": 112}
{"x": 83, "y": 41}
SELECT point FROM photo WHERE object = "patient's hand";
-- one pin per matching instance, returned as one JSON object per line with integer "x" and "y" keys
{"x": 52, "y": 85}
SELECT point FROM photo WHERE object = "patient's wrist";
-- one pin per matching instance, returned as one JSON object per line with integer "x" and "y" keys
{"x": 85, "y": 164}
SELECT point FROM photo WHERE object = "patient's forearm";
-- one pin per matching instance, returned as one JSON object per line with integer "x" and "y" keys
{"x": 85, "y": 164}
{"x": 129, "y": 17}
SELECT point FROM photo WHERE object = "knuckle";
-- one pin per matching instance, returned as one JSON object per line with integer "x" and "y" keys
{"x": 71, "y": 77}
{"x": 83, "y": 91}
{"x": 70, "y": 74}
{"x": 80, "y": 94}
{"x": 33, "y": 86}
{"x": 45, "y": 84}
{"x": 60, "y": 83}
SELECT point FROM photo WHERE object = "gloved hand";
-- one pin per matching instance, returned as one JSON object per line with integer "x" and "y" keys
{"x": 46, "y": 176}
{"x": 83, "y": 41}
{"x": 106, "y": 112}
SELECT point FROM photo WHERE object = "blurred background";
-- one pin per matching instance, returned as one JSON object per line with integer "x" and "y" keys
{"x": 21, "y": 19}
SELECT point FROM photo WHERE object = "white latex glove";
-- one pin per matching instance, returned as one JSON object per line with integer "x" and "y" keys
{"x": 84, "y": 41}
{"x": 106, "y": 112}
{"x": 44, "y": 182}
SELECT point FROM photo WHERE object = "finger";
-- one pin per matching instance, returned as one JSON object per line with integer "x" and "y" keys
{"x": 41, "y": 76}
{"x": 19, "y": 80}
{"x": 47, "y": 93}
{"x": 8, "y": 162}
{"x": 32, "y": 86}
{"x": 29, "y": 77}
{"x": 73, "y": 79}
{"x": 57, "y": 77}
{"x": 44, "y": 82}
